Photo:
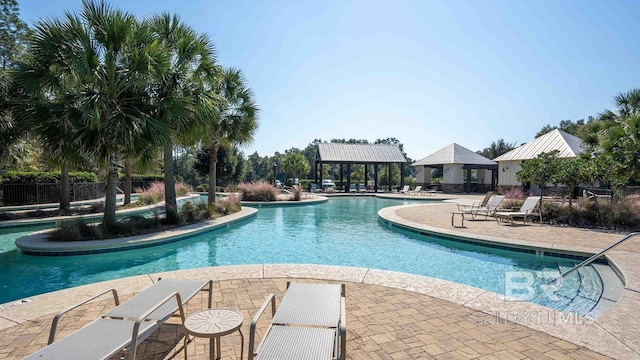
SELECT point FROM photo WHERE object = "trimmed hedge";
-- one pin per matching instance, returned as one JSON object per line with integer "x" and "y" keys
{"x": 143, "y": 177}
{"x": 30, "y": 177}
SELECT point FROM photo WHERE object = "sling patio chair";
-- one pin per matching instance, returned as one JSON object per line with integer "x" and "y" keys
{"x": 528, "y": 209}
{"x": 487, "y": 211}
{"x": 417, "y": 190}
{"x": 125, "y": 326}
{"x": 404, "y": 189}
{"x": 476, "y": 204}
{"x": 310, "y": 323}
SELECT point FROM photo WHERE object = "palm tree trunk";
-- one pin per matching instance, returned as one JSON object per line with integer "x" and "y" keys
{"x": 213, "y": 155}
{"x": 65, "y": 205}
{"x": 109, "y": 218}
{"x": 127, "y": 181}
{"x": 170, "y": 202}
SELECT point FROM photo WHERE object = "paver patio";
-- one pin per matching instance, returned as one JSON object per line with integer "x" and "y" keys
{"x": 382, "y": 323}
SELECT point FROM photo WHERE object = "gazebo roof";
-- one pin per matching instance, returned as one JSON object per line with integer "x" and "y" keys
{"x": 569, "y": 146}
{"x": 360, "y": 153}
{"x": 454, "y": 154}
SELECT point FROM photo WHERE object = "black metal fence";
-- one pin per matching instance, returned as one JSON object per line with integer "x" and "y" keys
{"x": 46, "y": 193}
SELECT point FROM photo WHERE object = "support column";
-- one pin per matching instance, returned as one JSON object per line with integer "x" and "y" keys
{"x": 402, "y": 175}
{"x": 341, "y": 176}
{"x": 365, "y": 176}
{"x": 346, "y": 188}
{"x": 321, "y": 172}
{"x": 390, "y": 177}
{"x": 468, "y": 187}
{"x": 375, "y": 177}
{"x": 315, "y": 173}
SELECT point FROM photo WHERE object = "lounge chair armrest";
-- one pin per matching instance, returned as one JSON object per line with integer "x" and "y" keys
{"x": 136, "y": 326}
{"x": 343, "y": 329}
{"x": 56, "y": 319}
{"x": 252, "y": 330}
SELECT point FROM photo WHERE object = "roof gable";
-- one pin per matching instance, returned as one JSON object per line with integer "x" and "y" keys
{"x": 360, "y": 153}
{"x": 568, "y": 146}
{"x": 454, "y": 154}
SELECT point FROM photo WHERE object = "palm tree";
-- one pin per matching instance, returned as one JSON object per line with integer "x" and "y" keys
{"x": 238, "y": 120}
{"x": 97, "y": 64}
{"x": 296, "y": 164}
{"x": 183, "y": 96}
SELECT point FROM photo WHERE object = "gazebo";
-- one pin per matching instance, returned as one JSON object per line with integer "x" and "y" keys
{"x": 567, "y": 145}
{"x": 454, "y": 161}
{"x": 366, "y": 154}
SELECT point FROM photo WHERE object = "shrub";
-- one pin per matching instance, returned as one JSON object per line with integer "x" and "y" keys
{"x": 305, "y": 183}
{"x": 76, "y": 230}
{"x": 202, "y": 188}
{"x": 514, "y": 198}
{"x": 624, "y": 215}
{"x": 183, "y": 189}
{"x": 297, "y": 192}
{"x": 153, "y": 194}
{"x": 232, "y": 188}
{"x": 191, "y": 213}
{"x": 97, "y": 207}
{"x": 226, "y": 206}
{"x": 259, "y": 191}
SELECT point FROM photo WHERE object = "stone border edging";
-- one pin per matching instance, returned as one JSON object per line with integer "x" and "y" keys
{"x": 36, "y": 243}
{"x": 56, "y": 220}
{"x": 302, "y": 202}
{"x": 588, "y": 334}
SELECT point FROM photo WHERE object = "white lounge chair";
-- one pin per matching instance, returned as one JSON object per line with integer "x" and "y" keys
{"x": 127, "y": 325}
{"x": 404, "y": 189}
{"x": 310, "y": 324}
{"x": 477, "y": 204}
{"x": 487, "y": 211}
{"x": 417, "y": 190}
{"x": 352, "y": 188}
{"x": 528, "y": 209}
{"x": 362, "y": 188}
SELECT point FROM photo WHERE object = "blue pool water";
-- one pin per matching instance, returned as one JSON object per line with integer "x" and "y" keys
{"x": 339, "y": 232}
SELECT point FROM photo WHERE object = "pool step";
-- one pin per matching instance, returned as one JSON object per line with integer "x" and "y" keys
{"x": 611, "y": 292}
{"x": 588, "y": 293}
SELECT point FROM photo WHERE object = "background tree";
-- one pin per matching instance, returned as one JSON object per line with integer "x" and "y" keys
{"x": 295, "y": 163}
{"x": 230, "y": 165}
{"x": 13, "y": 129}
{"x": 183, "y": 94}
{"x": 568, "y": 126}
{"x": 237, "y": 121}
{"x": 497, "y": 148}
{"x": 540, "y": 170}
{"x": 568, "y": 173}
{"x": 13, "y": 33}
{"x": 615, "y": 136}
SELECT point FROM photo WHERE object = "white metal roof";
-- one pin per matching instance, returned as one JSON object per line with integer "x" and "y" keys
{"x": 454, "y": 154}
{"x": 569, "y": 146}
{"x": 360, "y": 153}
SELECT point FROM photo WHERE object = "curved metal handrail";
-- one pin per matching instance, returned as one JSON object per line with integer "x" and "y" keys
{"x": 595, "y": 256}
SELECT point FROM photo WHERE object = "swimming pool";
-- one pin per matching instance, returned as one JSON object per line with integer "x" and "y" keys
{"x": 342, "y": 231}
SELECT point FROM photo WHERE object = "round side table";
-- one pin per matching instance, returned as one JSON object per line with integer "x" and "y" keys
{"x": 213, "y": 324}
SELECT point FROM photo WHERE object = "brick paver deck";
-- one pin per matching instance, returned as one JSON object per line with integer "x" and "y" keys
{"x": 382, "y": 323}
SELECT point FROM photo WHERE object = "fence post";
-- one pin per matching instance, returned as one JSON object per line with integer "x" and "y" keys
{"x": 37, "y": 194}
